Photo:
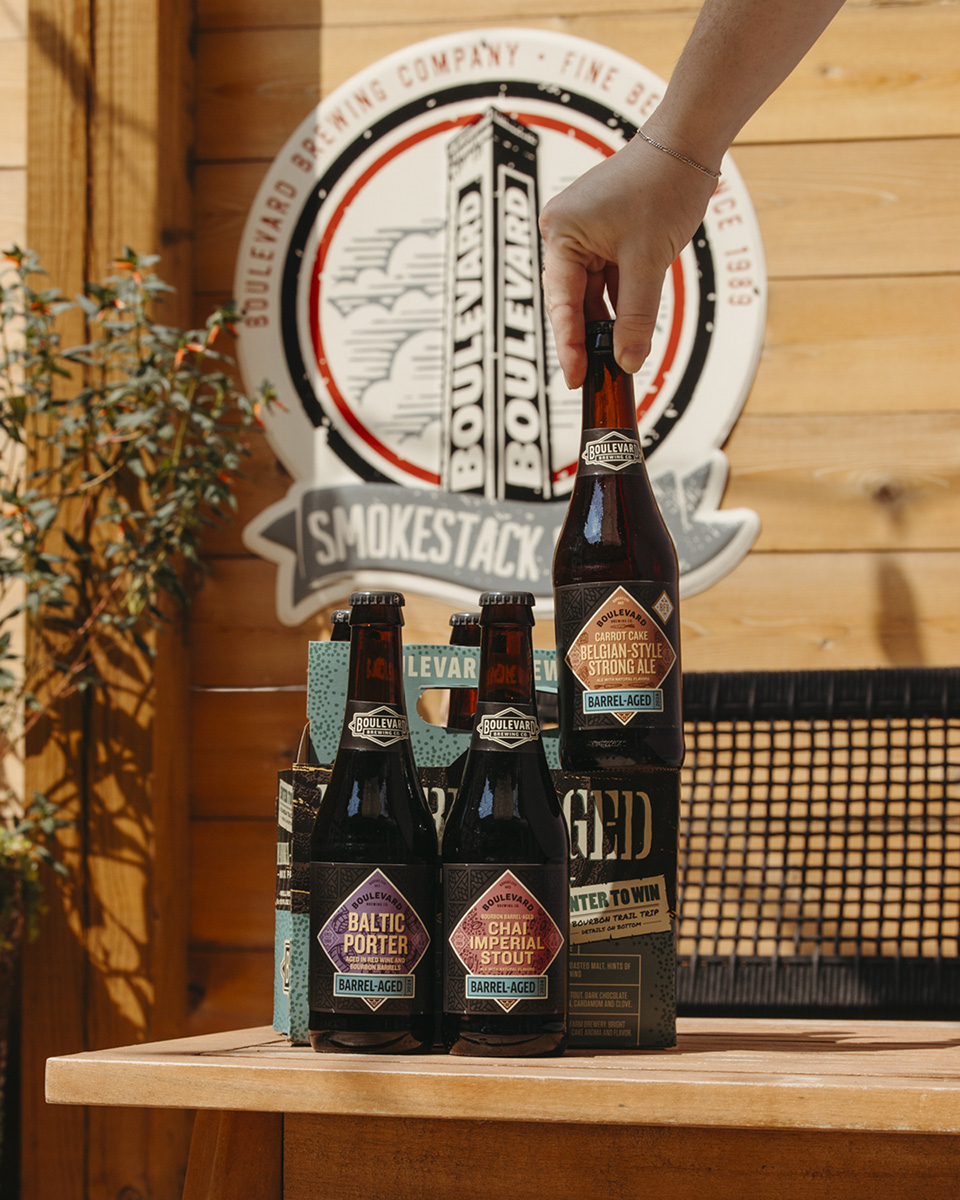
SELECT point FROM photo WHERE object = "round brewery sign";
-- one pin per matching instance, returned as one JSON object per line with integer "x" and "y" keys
{"x": 390, "y": 277}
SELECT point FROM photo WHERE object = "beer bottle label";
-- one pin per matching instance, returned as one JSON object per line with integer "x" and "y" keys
{"x": 610, "y": 452}
{"x": 619, "y": 649}
{"x": 369, "y": 725}
{"x": 505, "y": 937}
{"x": 509, "y": 727}
{"x": 369, "y": 928}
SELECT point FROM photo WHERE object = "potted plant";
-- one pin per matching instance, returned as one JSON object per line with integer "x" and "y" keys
{"x": 118, "y": 455}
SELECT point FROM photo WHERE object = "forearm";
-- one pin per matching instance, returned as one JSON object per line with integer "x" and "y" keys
{"x": 617, "y": 228}
{"x": 739, "y": 52}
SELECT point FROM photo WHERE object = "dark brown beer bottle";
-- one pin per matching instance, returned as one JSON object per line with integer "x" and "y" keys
{"x": 374, "y": 861}
{"x": 616, "y": 580}
{"x": 506, "y": 870}
{"x": 340, "y": 625}
{"x": 464, "y": 631}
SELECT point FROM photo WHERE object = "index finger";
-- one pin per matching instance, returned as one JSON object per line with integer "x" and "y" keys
{"x": 564, "y": 290}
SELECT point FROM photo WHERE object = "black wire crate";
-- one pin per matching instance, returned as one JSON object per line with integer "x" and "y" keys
{"x": 819, "y": 869}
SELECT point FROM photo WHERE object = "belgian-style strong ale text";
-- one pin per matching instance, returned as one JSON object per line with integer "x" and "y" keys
{"x": 505, "y": 852}
{"x": 374, "y": 861}
{"x": 615, "y": 581}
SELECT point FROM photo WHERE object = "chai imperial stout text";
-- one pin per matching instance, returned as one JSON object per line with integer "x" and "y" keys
{"x": 374, "y": 861}
{"x": 616, "y": 580}
{"x": 506, "y": 870}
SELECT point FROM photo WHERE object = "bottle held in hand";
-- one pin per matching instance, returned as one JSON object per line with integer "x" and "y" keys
{"x": 616, "y": 583}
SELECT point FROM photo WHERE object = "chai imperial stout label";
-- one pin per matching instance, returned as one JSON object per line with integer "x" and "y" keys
{"x": 389, "y": 276}
{"x": 505, "y": 930}
{"x": 622, "y": 652}
{"x": 371, "y": 924}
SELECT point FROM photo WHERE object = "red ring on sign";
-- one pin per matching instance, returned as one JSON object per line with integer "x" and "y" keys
{"x": 361, "y": 430}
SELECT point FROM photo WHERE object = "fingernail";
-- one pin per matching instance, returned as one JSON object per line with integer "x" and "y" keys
{"x": 632, "y": 358}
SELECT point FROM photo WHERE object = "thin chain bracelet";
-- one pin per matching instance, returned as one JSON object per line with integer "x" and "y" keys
{"x": 676, "y": 154}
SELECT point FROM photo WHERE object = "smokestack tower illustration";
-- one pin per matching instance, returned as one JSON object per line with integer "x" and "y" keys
{"x": 496, "y": 432}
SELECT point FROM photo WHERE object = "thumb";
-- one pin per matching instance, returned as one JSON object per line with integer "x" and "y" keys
{"x": 637, "y": 306}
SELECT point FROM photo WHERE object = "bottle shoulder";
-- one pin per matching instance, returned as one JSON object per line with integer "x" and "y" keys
{"x": 613, "y": 516}
{"x": 374, "y": 806}
{"x": 506, "y": 810}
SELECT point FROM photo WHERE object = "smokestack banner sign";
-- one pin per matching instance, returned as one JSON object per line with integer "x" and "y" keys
{"x": 389, "y": 274}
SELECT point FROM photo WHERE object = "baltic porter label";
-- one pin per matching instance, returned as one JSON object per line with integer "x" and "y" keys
{"x": 371, "y": 922}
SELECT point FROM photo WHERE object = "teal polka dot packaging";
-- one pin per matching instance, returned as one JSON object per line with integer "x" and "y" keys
{"x": 623, "y": 907}
{"x": 299, "y": 792}
{"x": 623, "y": 836}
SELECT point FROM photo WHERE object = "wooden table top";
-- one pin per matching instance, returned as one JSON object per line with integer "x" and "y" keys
{"x": 744, "y": 1073}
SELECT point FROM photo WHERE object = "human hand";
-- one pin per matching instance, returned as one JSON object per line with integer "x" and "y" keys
{"x": 617, "y": 229}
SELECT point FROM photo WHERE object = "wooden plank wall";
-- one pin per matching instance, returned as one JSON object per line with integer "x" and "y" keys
{"x": 13, "y": 168}
{"x": 848, "y": 447}
{"x": 109, "y": 132}
{"x": 13, "y": 126}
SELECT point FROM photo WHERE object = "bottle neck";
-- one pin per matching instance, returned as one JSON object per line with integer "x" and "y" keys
{"x": 608, "y": 399}
{"x": 506, "y": 664}
{"x": 376, "y": 665}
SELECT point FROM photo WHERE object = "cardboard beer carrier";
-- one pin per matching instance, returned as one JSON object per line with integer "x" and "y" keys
{"x": 623, "y": 842}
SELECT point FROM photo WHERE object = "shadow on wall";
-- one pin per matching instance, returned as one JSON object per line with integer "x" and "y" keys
{"x": 106, "y": 961}
{"x": 897, "y": 621}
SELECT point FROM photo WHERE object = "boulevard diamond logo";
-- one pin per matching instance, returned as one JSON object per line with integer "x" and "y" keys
{"x": 613, "y": 451}
{"x": 381, "y": 725}
{"x": 509, "y": 728}
{"x": 389, "y": 274}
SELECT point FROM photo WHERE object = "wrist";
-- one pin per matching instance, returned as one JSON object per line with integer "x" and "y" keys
{"x": 699, "y": 147}
{"x": 678, "y": 155}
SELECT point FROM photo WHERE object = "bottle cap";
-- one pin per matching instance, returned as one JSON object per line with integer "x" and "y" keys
{"x": 522, "y": 600}
{"x": 394, "y": 599}
{"x": 599, "y": 337}
{"x": 388, "y": 603}
{"x": 340, "y": 616}
{"x": 487, "y": 598}
{"x": 465, "y": 618}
